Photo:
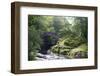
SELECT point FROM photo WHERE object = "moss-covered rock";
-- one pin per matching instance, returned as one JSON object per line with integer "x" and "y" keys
{"x": 79, "y": 52}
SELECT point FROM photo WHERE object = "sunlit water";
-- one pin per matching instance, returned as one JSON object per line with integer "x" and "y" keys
{"x": 50, "y": 56}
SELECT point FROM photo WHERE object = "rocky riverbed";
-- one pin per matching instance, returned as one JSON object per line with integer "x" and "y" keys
{"x": 49, "y": 56}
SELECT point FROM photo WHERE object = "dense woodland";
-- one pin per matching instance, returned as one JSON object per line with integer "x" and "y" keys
{"x": 60, "y": 35}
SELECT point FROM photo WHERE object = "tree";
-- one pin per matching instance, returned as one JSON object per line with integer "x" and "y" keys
{"x": 61, "y": 25}
{"x": 81, "y": 27}
{"x": 34, "y": 42}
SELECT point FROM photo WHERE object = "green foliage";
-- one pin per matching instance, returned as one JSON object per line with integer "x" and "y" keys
{"x": 72, "y": 32}
{"x": 34, "y": 42}
{"x": 60, "y": 24}
{"x": 80, "y": 27}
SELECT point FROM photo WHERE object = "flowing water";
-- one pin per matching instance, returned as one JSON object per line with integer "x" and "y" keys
{"x": 49, "y": 56}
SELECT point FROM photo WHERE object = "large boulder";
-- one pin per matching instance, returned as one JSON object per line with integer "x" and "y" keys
{"x": 49, "y": 39}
